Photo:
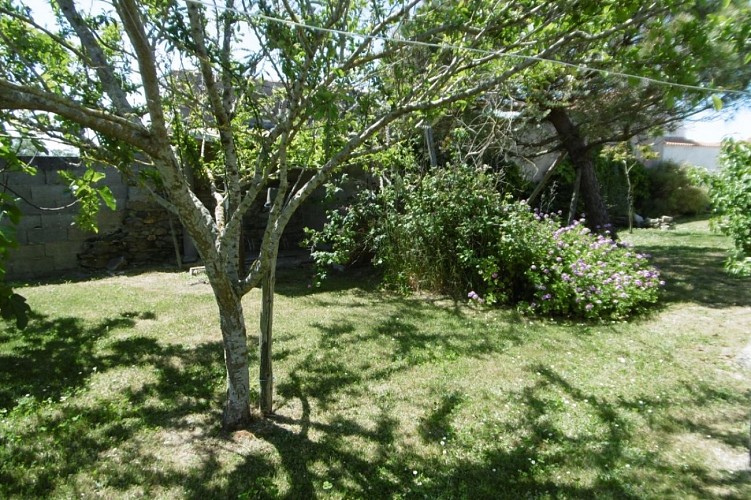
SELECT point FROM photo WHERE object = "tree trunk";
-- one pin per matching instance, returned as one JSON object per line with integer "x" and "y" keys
{"x": 629, "y": 197}
{"x": 581, "y": 156}
{"x": 266, "y": 372}
{"x": 574, "y": 198}
{"x": 237, "y": 406}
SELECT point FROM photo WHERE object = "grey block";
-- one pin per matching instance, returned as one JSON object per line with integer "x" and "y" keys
{"x": 57, "y": 220}
{"x": 23, "y": 179}
{"x": 30, "y": 221}
{"x": 29, "y": 268}
{"x": 28, "y": 252}
{"x": 46, "y": 235}
{"x": 50, "y": 196}
{"x": 62, "y": 248}
{"x": 65, "y": 261}
{"x": 20, "y": 192}
{"x": 21, "y": 238}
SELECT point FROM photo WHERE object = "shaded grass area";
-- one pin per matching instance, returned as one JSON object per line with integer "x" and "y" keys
{"x": 114, "y": 390}
{"x": 692, "y": 258}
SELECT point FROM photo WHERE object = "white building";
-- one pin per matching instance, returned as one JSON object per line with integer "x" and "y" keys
{"x": 687, "y": 152}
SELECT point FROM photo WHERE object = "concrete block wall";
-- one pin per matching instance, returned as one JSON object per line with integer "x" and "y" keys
{"x": 138, "y": 232}
{"x": 49, "y": 242}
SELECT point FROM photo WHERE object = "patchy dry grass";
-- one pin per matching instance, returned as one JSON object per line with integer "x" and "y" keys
{"x": 114, "y": 390}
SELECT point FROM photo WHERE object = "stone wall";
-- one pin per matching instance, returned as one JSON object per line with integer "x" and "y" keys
{"x": 137, "y": 232}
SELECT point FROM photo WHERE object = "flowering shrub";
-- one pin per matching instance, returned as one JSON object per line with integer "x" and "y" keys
{"x": 452, "y": 232}
{"x": 591, "y": 276}
{"x": 568, "y": 271}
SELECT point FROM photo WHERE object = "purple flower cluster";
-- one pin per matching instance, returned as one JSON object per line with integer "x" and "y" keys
{"x": 578, "y": 273}
{"x": 564, "y": 271}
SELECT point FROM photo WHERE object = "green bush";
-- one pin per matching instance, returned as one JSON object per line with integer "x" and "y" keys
{"x": 731, "y": 198}
{"x": 614, "y": 186}
{"x": 451, "y": 231}
{"x": 422, "y": 230}
{"x": 674, "y": 190}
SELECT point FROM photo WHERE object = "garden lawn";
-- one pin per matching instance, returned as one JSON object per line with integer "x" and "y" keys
{"x": 115, "y": 389}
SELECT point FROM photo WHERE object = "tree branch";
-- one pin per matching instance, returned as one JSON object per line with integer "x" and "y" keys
{"x": 19, "y": 97}
{"x": 99, "y": 61}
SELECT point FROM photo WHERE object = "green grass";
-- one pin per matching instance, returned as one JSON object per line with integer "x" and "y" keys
{"x": 115, "y": 390}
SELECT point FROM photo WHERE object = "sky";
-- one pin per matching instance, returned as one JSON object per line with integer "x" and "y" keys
{"x": 713, "y": 126}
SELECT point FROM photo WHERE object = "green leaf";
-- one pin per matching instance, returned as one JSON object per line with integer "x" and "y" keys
{"x": 716, "y": 102}
{"x": 93, "y": 176}
{"x": 7, "y": 236}
{"x": 107, "y": 197}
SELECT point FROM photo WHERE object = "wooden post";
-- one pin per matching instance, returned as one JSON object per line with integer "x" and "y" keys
{"x": 430, "y": 144}
{"x": 175, "y": 244}
{"x": 548, "y": 174}
{"x": 266, "y": 372}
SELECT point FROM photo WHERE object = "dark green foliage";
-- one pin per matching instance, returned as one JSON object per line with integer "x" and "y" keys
{"x": 673, "y": 190}
{"x": 424, "y": 231}
{"x": 452, "y": 231}
{"x": 13, "y": 306}
{"x": 731, "y": 199}
{"x": 612, "y": 177}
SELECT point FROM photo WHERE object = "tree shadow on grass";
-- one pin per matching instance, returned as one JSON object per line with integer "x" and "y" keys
{"x": 302, "y": 282}
{"x": 52, "y": 357}
{"x": 320, "y": 455}
{"x": 55, "y": 404}
{"x": 311, "y": 454}
{"x": 320, "y": 458}
{"x": 696, "y": 274}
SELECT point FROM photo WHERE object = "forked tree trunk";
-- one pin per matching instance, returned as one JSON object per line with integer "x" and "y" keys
{"x": 581, "y": 156}
{"x": 237, "y": 406}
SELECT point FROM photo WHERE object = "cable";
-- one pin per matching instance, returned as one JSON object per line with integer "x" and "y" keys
{"x": 416, "y": 43}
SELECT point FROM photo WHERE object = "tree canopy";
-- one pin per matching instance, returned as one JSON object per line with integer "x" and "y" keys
{"x": 666, "y": 62}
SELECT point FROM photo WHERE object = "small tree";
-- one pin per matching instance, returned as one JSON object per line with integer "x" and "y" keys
{"x": 624, "y": 155}
{"x": 730, "y": 193}
{"x": 181, "y": 89}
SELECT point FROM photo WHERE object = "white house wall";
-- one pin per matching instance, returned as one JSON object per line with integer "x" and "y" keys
{"x": 695, "y": 155}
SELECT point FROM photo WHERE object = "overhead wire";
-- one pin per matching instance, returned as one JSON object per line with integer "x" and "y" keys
{"x": 474, "y": 50}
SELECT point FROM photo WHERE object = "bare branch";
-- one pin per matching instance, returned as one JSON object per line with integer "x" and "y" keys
{"x": 133, "y": 24}
{"x": 98, "y": 60}
{"x": 220, "y": 97}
